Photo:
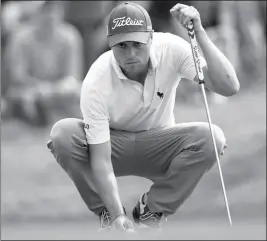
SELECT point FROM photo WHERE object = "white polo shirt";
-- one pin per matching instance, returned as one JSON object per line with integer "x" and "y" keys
{"x": 110, "y": 100}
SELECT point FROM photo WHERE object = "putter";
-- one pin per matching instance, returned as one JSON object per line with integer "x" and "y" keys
{"x": 200, "y": 74}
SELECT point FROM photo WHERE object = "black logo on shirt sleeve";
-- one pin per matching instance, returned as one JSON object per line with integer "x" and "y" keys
{"x": 86, "y": 126}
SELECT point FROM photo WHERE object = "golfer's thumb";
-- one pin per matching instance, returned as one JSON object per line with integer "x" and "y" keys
{"x": 128, "y": 227}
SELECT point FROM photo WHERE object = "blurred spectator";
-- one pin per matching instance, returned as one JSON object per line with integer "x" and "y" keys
{"x": 161, "y": 18}
{"x": 15, "y": 16}
{"x": 240, "y": 35}
{"x": 45, "y": 65}
{"x": 90, "y": 18}
{"x": 238, "y": 28}
{"x": 250, "y": 26}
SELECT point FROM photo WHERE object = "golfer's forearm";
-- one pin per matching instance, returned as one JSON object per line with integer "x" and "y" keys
{"x": 220, "y": 71}
{"x": 107, "y": 186}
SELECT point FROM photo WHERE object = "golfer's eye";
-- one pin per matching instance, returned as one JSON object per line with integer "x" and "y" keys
{"x": 138, "y": 44}
{"x": 121, "y": 45}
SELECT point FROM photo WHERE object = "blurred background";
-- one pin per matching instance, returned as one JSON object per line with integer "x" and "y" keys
{"x": 47, "y": 49}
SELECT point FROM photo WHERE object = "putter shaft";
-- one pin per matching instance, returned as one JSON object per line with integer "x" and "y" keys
{"x": 194, "y": 47}
{"x": 216, "y": 153}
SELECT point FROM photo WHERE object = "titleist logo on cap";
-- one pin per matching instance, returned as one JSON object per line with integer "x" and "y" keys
{"x": 119, "y": 22}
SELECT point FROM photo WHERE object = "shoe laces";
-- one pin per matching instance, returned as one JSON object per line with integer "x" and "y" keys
{"x": 148, "y": 217}
{"x": 105, "y": 218}
{"x": 156, "y": 217}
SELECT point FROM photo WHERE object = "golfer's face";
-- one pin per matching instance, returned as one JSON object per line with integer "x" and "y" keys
{"x": 132, "y": 56}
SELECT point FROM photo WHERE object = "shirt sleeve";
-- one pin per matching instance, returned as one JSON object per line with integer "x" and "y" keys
{"x": 95, "y": 115}
{"x": 182, "y": 57}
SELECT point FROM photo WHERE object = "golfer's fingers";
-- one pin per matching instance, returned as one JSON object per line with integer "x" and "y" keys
{"x": 128, "y": 224}
{"x": 176, "y": 10}
{"x": 186, "y": 21}
{"x": 178, "y": 7}
{"x": 181, "y": 14}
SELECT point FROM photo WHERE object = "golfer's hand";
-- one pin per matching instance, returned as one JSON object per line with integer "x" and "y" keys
{"x": 184, "y": 13}
{"x": 123, "y": 224}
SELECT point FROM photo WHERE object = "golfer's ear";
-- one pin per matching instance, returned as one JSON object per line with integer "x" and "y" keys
{"x": 150, "y": 37}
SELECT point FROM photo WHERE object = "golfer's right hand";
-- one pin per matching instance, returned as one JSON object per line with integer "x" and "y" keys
{"x": 123, "y": 224}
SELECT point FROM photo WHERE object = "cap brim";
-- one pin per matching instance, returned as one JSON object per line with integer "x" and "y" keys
{"x": 141, "y": 37}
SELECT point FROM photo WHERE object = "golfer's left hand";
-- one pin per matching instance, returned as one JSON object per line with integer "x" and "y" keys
{"x": 122, "y": 223}
{"x": 184, "y": 13}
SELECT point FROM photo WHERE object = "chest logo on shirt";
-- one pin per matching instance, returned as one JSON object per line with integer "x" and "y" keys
{"x": 86, "y": 126}
{"x": 160, "y": 95}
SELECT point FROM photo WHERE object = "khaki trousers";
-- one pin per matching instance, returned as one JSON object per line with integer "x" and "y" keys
{"x": 174, "y": 158}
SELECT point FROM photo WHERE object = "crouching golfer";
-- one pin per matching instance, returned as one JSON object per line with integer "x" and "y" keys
{"x": 128, "y": 127}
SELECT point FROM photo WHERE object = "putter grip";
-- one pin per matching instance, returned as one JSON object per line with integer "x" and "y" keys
{"x": 196, "y": 56}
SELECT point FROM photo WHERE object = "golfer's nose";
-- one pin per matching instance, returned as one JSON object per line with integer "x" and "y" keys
{"x": 131, "y": 52}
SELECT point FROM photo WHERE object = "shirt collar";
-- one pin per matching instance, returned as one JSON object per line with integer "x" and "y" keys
{"x": 153, "y": 63}
{"x": 117, "y": 68}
